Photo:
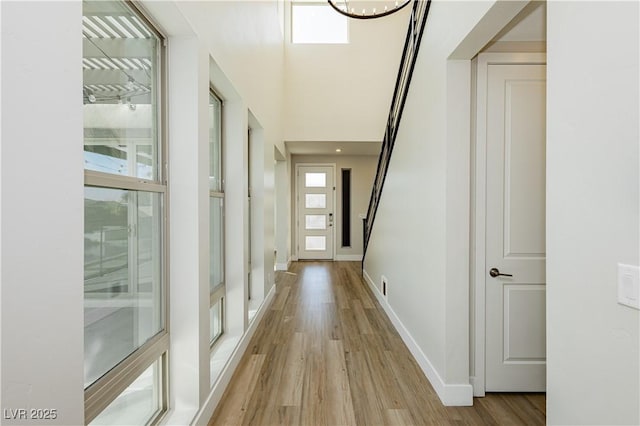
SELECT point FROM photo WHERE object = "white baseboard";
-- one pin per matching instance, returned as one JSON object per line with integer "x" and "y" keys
{"x": 294, "y": 258}
{"x": 349, "y": 257}
{"x": 450, "y": 394}
{"x": 212, "y": 401}
{"x": 282, "y": 266}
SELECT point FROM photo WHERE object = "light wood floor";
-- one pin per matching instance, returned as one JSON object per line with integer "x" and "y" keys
{"x": 326, "y": 354}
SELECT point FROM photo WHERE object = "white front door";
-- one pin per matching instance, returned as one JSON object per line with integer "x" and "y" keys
{"x": 515, "y": 228}
{"x": 315, "y": 212}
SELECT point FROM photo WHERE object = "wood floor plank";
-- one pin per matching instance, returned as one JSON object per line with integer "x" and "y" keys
{"x": 325, "y": 353}
{"x": 244, "y": 385}
{"x": 339, "y": 405}
{"x": 290, "y": 390}
{"x": 361, "y": 319}
{"x": 398, "y": 417}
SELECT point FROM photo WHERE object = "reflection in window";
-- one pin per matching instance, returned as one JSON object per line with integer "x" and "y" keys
{"x": 137, "y": 403}
{"x": 215, "y": 320}
{"x": 215, "y": 144}
{"x": 216, "y": 267}
{"x": 120, "y": 67}
{"x": 122, "y": 268}
{"x": 216, "y": 222}
{"x": 124, "y": 286}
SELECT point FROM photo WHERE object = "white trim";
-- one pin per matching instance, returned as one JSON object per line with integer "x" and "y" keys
{"x": 478, "y": 325}
{"x": 450, "y": 394}
{"x": 217, "y": 390}
{"x": 348, "y": 258}
{"x": 294, "y": 258}
{"x": 296, "y": 225}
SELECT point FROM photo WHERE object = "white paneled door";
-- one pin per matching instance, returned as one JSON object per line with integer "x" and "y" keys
{"x": 515, "y": 228}
{"x": 315, "y": 212}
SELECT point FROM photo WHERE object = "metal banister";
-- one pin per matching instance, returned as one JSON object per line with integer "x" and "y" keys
{"x": 417, "y": 23}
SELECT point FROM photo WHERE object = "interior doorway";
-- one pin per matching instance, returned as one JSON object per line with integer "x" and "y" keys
{"x": 510, "y": 212}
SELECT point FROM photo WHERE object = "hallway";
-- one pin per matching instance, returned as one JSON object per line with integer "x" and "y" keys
{"x": 326, "y": 354}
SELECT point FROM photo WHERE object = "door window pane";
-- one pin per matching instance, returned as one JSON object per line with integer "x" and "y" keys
{"x": 315, "y": 180}
{"x": 315, "y": 201}
{"x": 120, "y": 91}
{"x": 139, "y": 402}
{"x": 216, "y": 268}
{"x": 315, "y": 243}
{"x": 315, "y": 221}
{"x": 122, "y": 275}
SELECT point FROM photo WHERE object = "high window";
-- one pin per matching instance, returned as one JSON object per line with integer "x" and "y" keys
{"x": 125, "y": 279}
{"x": 216, "y": 221}
{"x": 317, "y": 23}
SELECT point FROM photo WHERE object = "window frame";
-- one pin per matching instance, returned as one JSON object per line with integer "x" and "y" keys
{"x": 101, "y": 393}
{"x": 219, "y": 292}
{"x": 320, "y": 43}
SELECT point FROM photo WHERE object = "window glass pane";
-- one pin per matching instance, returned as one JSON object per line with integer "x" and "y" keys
{"x": 315, "y": 221}
{"x": 315, "y": 201}
{"x": 120, "y": 91}
{"x": 216, "y": 241}
{"x": 317, "y": 23}
{"x": 122, "y": 275}
{"x": 315, "y": 243}
{"x": 215, "y": 143}
{"x": 215, "y": 320}
{"x": 315, "y": 180}
{"x": 137, "y": 404}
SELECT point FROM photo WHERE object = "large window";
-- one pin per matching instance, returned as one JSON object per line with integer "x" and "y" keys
{"x": 125, "y": 210}
{"x": 216, "y": 221}
{"x": 317, "y": 23}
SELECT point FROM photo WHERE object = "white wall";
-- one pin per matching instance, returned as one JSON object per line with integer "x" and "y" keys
{"x": 245, "y": 39}
{"x": 343, "y": 92}
{"x": 283, "y": 213}
{"x": 244, "y": 43}
{"x": 42, "y": 190}
{"x": 593, "y": 178}
{"x": 42, "y": 211}
{"x": 363, "y": 172}
{"x": 426, "y": 197}
{"x": 189, "y": 214}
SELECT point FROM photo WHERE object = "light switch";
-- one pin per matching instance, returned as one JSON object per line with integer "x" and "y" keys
{"x": 629, "y": 285}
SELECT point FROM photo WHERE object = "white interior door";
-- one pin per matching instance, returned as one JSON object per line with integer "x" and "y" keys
{"x": 515, "y": 228}
{"x": 315, "y": 212}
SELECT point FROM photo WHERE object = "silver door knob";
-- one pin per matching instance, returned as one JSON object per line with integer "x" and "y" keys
{"x": 495, "y": 272}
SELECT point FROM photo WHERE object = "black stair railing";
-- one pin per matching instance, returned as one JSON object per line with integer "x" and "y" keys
{"x": 419, "y": 13}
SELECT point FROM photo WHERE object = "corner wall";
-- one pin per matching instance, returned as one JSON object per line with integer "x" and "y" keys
{"x": 593, "y": 373}
{"x": 42, "y": 200}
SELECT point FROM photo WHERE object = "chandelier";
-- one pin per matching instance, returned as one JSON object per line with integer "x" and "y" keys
{"x": 367, "y": 9}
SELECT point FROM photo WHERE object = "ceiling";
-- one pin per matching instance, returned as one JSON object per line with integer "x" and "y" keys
{"x": 329, "y": 148}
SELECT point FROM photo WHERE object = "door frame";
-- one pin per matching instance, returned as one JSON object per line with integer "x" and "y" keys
{"x": 479, "y": 205}
{"x": 296, "y": 223}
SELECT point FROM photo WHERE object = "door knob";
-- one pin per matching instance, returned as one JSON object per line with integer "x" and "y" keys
{"x": 495, "y": 272}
